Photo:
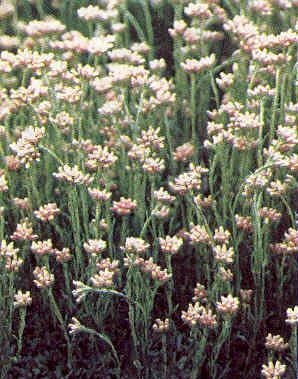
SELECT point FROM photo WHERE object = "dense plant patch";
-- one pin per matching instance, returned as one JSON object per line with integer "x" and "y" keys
{"x": 148, "y": 189}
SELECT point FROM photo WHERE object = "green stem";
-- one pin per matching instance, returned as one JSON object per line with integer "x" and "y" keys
{"x": 130, "y": 17}
{"x": 193, "y": 107}
{"x": 215, "y": 90}
{"x": 170, "y": 284}
{"x": 275, "y": 105}
{"x": 59, "y": 317}
{"x": 75, "y": 224}
{"x": 260, "y": 137}
{"x": 164, "y": 355}
{"x": 149, "y": 29}
{"x": 293, "y": 344}
{"x": 107, "y": 341}
{"x": 67, "y": 285}
{"x": 49, "y": 151}
{"x": 22, "y": 324}
{"x": 200, "y": 345}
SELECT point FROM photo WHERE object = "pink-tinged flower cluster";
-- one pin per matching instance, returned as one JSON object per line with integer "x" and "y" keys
{"x": 124, "y": 206}
{"x": 26, "y": 148}
{"x": 47, "y": 212}
{"x": 72, "y": 175}
{"x": 148, "y": 266}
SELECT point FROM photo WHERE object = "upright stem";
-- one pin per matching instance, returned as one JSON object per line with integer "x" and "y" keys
{"x": 22, "y": 324}
{"x": 59, "y": 317}
{"x": 170, "y": 285}
{"x": 294, "y": 348}
{"x": 200, "y": 345}
{"x": 164, "y": 355}
{"x": 193, "y": 107}
{"x": 149, "y": 28}
{"x": 275, "y": 105}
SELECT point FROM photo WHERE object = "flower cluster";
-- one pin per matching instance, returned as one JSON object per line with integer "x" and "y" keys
{"x": 148, "y": 266}
{"x": 43, "y": 278}
{"x": 25, "y": 148}
{"x": 198, "y": 314}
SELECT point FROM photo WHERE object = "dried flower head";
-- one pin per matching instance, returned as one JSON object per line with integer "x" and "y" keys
{"x": 63, "y": 120}
{"x": 81, "y": 290}
{"x": 223, "y": 254}
{"x": 161, "y": 326}
{"x": 24, "y": 232}
{"x": 153, "y": 165}
{"x": 13, "y": 263}
{"x": 198, "y": 10}
{"x": 75, "y": 326}
{"x": 198, "y": 234}
{"x": 179, "y": 28}
{"x": 39, "y": 28}
{"x": 148, "y": 266}
{"x": 135, "y": 245}
{"x": 225, "y": 80}
{"x": 170, "y": 245}
{"x": 25, "y": 148}
{"x": 43, "y": 278}
{"x": 8, "y": 249}
{"x": 185, "y": 182}
{"x": 23, "y": 204}
{"x": 42, "y": 247}
{"x": 106, "y": 263}
{"x": 163, "y": 196}
{"x": 104, "y": 278}
{"x": 13, "y": 163}
{"x": 63, "y": 256}
{"x": 273, "y": 370}
{"x": 184, "y": 152}
{"x": 157, "y": 64}
{"x": 195, "y": 66}
{"x": 22, "y": 299}
{"x": 3, "y": 183}
{"x": 6, "y": 9}
{"x": 47, "y": 212}
{"x": 155, "y": 271}
{"x": 100, "y": 158}
{"x": 222, "y": 236}
{"x": 246, "y": 296}
{"x": 150, "y": 138}
{"x": 200, "y": 293}
{"x": 203, "y": 202}
{"x": 269, "y": 214}
{"x": 72, "y": 175}
{"x": 198, "y": 314}
{"x": 289, "y": 245}
{"x": 99, "y": 195}
{"x": 292, "y": 316}
{"x": 95, "y": 247}
{"x": 243, "y": 223}
{"x": 225, "y": 274}
{"x": 162, "y": 212}
{"x": 124, "y": 207}
{"x": 228, "y": 305}
{"x": 275, "y": 343}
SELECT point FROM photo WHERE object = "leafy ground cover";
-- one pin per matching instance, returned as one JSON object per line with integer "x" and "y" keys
{"x": 148, "y": 189}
